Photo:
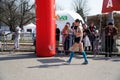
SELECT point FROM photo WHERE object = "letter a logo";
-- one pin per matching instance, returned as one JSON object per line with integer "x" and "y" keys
{"x": 109, "y": 4}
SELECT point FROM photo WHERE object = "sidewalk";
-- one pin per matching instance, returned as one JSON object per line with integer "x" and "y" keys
{"x": 29, "y": 47}
{"x": 24, "y": 47}
{"x": 29, "y": 44}
{"x": 26, "y": 66}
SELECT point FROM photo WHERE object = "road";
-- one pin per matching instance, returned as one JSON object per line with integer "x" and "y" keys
{"x": 26, "y": 66}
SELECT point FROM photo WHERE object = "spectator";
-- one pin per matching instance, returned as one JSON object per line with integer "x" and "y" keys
{"x": 0, "y": 45}
{"x": 96, "y": 43}
{"x": 110, "y": 32}
{"x": 71, "y": 35}
{"x": 17, "y": 38}
{"x": 65, "y": 38}
{"x": 86, "y": 41}
{"x": 92, "y": 29}
{"x": 57, "y": 38}
{"x": 34, "y": 37}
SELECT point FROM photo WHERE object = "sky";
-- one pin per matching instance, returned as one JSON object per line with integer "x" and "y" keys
{"x": 95, "y": 6}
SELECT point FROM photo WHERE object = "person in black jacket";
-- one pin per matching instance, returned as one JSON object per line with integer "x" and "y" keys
{"x": 92, "y": 29}
{"x": 110, "y": 32}
{"x": 57, "y": 38}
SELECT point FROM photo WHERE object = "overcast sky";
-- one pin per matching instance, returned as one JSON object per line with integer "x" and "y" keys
{"x": 94, "y": 5}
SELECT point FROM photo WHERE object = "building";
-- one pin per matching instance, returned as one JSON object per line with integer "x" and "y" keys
{"x": 30, "y": 28}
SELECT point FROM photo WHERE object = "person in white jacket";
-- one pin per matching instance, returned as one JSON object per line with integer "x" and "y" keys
{"x": 17, "y": 38}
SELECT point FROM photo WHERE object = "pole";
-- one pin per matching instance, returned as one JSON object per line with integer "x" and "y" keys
{"x": 110, "y": 18}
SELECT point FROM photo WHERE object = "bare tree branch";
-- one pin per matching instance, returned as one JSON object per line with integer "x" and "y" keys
{"x": 81, "y": 7}
{"x": 16, "y": 13}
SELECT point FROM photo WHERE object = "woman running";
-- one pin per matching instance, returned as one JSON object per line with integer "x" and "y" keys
{"x": 78, "y": 31}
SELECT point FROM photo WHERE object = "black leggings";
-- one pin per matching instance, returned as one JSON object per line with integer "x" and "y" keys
{"x": 66, "y": 43}
{"x": 109, "y": 44}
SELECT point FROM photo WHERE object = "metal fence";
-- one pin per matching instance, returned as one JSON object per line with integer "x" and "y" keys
{"x": 26, "y": 42}
{"x": 101, "y": 46}
{"x": 28, "y": 37}
{"x": 23, "y": 36}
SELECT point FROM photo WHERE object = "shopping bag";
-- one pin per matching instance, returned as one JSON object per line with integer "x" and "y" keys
{"x": 75, "y": 47}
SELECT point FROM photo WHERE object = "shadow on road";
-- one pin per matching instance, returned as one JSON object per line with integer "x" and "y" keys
{"x": 101, "y": 58}
{"x": 52, "y": 63}
{"x": 113, "y": 59}
{"x": 51, "y": 60}
{"x": 116, "y": 60}
{"x": 18, "y": 56}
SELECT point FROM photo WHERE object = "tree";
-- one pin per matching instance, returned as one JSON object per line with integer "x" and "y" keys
{"x": 16, "y": 13}
{"x": 26, "y": 14}
{"x": 8, "y": 13}
{"x": 80, "y": 6}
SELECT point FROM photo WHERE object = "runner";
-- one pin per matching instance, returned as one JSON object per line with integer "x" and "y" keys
{"x": 78, "y": 45}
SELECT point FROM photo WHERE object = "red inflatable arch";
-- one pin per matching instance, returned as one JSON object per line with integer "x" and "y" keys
{"x": 45, "y": 31}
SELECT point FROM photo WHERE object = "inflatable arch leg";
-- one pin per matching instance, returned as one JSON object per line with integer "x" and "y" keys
{"x": 45, "y": 30}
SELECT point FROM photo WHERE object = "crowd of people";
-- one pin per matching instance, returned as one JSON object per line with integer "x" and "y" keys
{"x": 90, "y": 37}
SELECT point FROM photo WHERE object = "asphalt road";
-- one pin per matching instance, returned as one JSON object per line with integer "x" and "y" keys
{"x": 26, "y": 66}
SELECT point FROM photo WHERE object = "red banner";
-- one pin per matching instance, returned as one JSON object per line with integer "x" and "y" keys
{"x": 110, "y": 5}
